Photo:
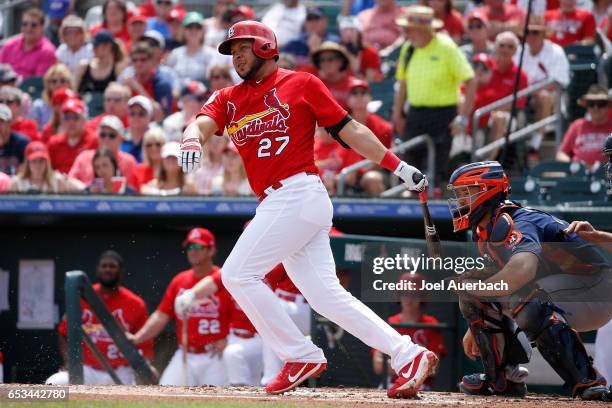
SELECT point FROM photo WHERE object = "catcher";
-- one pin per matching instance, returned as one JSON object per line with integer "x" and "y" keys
{"x": 558, "y": 284}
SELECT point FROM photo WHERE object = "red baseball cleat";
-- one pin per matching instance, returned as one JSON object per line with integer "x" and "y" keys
{"x": 293, "y": 374}
{"x": 413, "y": 375}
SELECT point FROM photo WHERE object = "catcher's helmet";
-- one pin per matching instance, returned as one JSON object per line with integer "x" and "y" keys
{"x": 264, "y": 40}
{"x": 490, "y": 187}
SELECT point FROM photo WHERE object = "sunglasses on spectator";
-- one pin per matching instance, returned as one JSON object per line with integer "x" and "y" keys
{"x": 219, "y": 77}
{"x": 357, "y": 92}
{"x": 507, "y": 45}
{"x": 163, "y": 3}
{"x": 597, "y": 104}
{"x": 195, "y": 246}
{"x": 141, "y": 114}
{"x": 154, "y": 144}
{"x": 313, "y": 18}
{"x": 29, "y": 24}
{"x": 114, "y": 99}
{"x": 475, "y": 26}
{"x": 327, "y": 59}
{"x": 9, "y": 101}
{"x": 110, "y": 135}
{"x": 194, "y": 27}
{"x": 480, "y": 67}
{"x": 58, "y": 81}
{"x": 71, "y": 116}
{"x": 534, "y": 32}
{"x": 144, "y": 59}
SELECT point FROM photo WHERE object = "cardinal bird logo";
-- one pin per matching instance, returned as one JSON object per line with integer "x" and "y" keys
{"x": 271, "y": 120}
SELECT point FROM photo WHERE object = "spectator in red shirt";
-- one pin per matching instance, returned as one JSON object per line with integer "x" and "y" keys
{"x": 444, "y": 10}
{"x": 111, "y": 133}
{"x": 570, "y": 25}
{"x": 477, "y": 24}
{"x": 332, "y": 63}
{"x": 327, "y": 158}
{"x": 75, "y": 138}
{"x": 412, "y": 305}
{"x": 503, "y": 16}
{"x": 365, "y": 62}
{"x": 583, "y": 140}
{"x": 52, "y": 127}
{"x": 29, "y": 53}
{"x": 114, "y": 19}
{"x": 116, "y": 97}
{"x": 371, "y": 178}
{"x": 146, "y": 171}
{"x": 13, "y": 98}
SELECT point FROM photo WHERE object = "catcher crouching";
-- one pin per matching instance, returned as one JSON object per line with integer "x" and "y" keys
{"x": 558, "y": 285}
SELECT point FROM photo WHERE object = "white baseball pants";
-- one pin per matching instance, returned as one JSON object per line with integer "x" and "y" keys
{"x": 93, "y": 376}
{"x": 202, "y": 369}
{"x": 299, "y": 312}
{"x": 603, "y": 351}
{"x": 291, "y": 226}
{"x": 243, "y": 360}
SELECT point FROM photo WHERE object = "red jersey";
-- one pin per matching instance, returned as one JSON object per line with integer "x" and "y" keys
{"x": 239, "y": 319}
{"x": 272, "y": 123}
{"x": 430, "y": 338}
{"x": 280, "y": 282}
{"x": 129, "y": 310}
{"x": 509, "y": 13}
{"x": 583, "y": 141}
{"x": 570, "y": 28}
{"x": 453, "y": 24}
{"x": 369, "y": 59}
{"x": 26, "y": 127}
{"x": 63, "y": 155}
{"x": 142, "y": 174}
{"x": 383, "y": 131}
{"x": 341, "y": 89}
{"x": 206, "y": 322}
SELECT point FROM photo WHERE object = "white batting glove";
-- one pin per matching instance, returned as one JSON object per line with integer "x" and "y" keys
{"x": 191, "y": 154}
{"x": 183, "y": 302}
{"x": 406, "y": 172}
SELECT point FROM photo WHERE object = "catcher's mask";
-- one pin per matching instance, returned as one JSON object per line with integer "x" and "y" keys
{"x": 477, "y": 188}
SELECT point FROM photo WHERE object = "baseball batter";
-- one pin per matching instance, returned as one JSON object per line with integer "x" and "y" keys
{"x": 130, "y": 312}
{"x": 271, "y": 118}
{"x": 558, "y": 284}
{"x": 207, "y": 322}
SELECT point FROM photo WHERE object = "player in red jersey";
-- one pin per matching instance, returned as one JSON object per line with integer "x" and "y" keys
{"x": 271, "y": 118}
{"x": 130, "y": 312}
{"x": 207, "y": 322}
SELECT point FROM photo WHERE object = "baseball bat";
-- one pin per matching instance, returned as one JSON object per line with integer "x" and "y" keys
{"x": 184, "y": 347}
{"x": 431, "y": 234}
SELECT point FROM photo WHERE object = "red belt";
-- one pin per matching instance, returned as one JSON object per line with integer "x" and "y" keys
{"x": 244, "y": 334}
{"x": 290, "y": 297}
{"x": 200, "y": 349}
{"x": 279, "y": 184}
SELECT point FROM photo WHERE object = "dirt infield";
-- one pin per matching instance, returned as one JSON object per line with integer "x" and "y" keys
{"x": 334, "y": 397}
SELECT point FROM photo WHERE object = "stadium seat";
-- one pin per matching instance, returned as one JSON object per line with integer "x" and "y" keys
{"x": 33, "y": 86}
{"x": 583, "y": 60}
{"x": 578, "y": 190}
{"x": 95, "y": 103}
{"x": 554, "y": 170}
{"x": 525, "y": 189}
{"x": 383, "y": 91}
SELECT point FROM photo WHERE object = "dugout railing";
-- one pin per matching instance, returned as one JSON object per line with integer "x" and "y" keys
{"x": 78, "y": 286}
{"x": 400, "y": 148}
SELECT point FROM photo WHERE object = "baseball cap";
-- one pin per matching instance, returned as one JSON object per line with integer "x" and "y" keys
{"x": 113, "y": 122}
{"x": 57, "y": 9}
{"x": 477, "y": 15}
{"x": 5, "y": 113}
{"x": 314, "y": 12}
{"x": 171, "y": 149}
{"x": 200, "y": 236}
{"x": 59, "y": 96}
{"x": 156, "y": 37}
{"x": 346, "y": 22}
{"x": 73, "y": 21}
{"x": 103, "y": 37}
{"x": 244, "y": 10}
{"x": 143, "y": 102}
{"x": 74, "y": 105}
{"x": 359, "y": 83}
{"x": 484, "y": 59}
{"x": 137, "y": 18}
{"x": 7, "y": 73}
{"x": 193, "y": 18}
{"x": 176, "y": 15}
{"x": 36, "y": 150}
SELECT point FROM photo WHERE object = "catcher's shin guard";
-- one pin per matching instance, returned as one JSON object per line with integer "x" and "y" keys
{"x": 560, "y": 346}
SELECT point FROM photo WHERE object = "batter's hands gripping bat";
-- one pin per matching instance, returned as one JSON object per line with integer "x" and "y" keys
{"x": 184, "y": 349}
{"x": 431, "y": 234}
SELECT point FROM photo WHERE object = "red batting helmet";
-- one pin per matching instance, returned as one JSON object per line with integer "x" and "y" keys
{"x": 490, "y": 187}
{"x": 264, "y": 39}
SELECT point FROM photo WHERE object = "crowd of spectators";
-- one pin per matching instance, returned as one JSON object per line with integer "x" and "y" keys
{"x": 154, "y": 64}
